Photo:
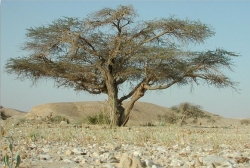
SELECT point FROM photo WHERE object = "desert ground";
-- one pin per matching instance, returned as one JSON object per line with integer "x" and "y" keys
{"x": 46, "y": 144}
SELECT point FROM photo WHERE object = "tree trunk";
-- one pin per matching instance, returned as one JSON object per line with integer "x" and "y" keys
{"x": 116, "y": 111}
{"x": 119, "y": 115}
{"x": 137, "y": 95}
{"x": 183, "y": 119}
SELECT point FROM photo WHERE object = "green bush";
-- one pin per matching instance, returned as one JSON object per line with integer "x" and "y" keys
{"x": 100, "y": 118}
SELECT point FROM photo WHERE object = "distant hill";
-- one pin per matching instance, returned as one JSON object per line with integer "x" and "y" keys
{"x": 9, "y": 112}
{"x": 141, "y": 114}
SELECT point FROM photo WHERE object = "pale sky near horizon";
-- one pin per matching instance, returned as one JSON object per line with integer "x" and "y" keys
{"x": 229, "y": 19}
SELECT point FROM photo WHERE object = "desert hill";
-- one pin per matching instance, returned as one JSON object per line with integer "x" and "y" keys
{"x": 9, "y": 112}
{"x": 141, "y": 114}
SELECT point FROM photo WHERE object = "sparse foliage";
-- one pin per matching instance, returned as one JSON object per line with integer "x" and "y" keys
{"x": 100, "y": 118}
{"x": 171, "y": 118}
{"x": 110, "y": 48}
{"x": 189, "y": 110}
{"x": 58, "y": 119}
{"x": 245, "y": 122}
{"x": 211, "y": 119}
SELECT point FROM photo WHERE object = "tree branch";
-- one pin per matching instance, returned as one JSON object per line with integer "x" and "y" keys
{"x": 131, "y": 92}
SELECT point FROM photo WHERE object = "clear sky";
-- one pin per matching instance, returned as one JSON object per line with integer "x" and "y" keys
{"x": 229, "y": 19}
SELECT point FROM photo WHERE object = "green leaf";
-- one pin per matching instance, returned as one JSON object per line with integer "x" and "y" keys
{"x": 18, "y": 159}
{"x": 6, "y": 160}
{"x": 11, "y": 146}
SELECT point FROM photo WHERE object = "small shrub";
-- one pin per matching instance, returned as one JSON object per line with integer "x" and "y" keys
{"x": 6, "y": 157}
{"x": 172, "y": 118}
{"x": 58, "y": 119}
{"x": 148, "y": 124}
{"x": 211, "y": 119}
{"x": 100, "y": 118}
{"x": 3, "y": 115}
{"x": 245, "y": 122}
{"x": 175, "y": 109}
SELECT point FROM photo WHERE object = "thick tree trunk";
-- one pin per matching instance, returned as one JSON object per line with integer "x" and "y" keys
{"x": 119, "y": 115}
{"x": 116, "y": 111}
{"x": 137, "y": 95}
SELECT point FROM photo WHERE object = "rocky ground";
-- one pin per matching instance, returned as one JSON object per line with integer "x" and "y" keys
{"x": 71, "y": 146}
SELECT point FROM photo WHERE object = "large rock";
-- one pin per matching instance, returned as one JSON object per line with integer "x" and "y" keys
{"x": 130, "y": 161}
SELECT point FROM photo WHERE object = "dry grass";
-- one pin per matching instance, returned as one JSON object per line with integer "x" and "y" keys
{"x": 164, "y": 135}
{"x": 25, "y": 134}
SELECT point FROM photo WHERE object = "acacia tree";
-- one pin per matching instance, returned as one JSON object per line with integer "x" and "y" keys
{"x": 189, "y": 110}
{"x": 110, "y": 48}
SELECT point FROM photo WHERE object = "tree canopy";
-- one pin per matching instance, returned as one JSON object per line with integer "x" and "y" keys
{"x": 110, "y": 48}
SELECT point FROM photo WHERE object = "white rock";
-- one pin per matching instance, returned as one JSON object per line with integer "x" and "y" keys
{"x": 45, "y": 150}
{"x": 177, "y": 162}
{"x": 95, "y": 154}
{"x": 109, "y": 166}
{"x": 67, "y": 161}
{"x": 44, "y": 157}
{"x": 217, "y": 161}
{"x": 78, "y": 151}
{"x": 112, "y": 146}
{"x": 137, "y": 153}
{"x": 149, "y": 162}
{"x": 161, "y": 149}
{"x": 63, "y": 123}
{"x": 175, "y": 146}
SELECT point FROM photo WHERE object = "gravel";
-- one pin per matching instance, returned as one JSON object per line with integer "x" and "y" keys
{"x": 189, "y": 147}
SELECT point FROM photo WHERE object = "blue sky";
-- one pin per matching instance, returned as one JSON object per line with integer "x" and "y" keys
{"x": 229, "y": 19}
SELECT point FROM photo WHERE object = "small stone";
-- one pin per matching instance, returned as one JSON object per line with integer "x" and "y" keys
{"x": 78, "y": 159}
{"x": 177, "y": 163}
{"x": 67, "y": 161}
{"x": 63, "y": 123}
{"x": 175, "y": 146}
{"x": 98, "y": 161}
{"x": 68, "y": 152}
{"x": 78, "y": 151}
{"x": 95, "y": 154}
{"x": 45, "y": 150}
{"x": 113, "y": 160}
{"x": 32, "y": 146}
{"x": 44, "y": 157}
{"x": 109, "y": 166}
{"x": 137, "y": 153}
